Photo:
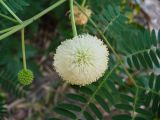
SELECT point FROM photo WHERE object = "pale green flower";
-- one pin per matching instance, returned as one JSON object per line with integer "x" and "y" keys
{"x": 81, "y": 60}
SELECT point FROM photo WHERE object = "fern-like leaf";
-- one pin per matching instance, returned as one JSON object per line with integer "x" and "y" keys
{"x": 3, "y": 109}
{"x": 145, "y": 51}
{"x": 15, "y": 5}
{"x": 90, "y": 98}
{"x": 9, "y": 83}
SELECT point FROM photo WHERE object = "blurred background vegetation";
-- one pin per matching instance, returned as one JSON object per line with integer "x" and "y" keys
{"x": 36, "y": 102}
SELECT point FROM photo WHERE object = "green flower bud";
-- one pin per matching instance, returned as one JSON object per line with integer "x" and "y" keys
{"x": 25, "y": 76}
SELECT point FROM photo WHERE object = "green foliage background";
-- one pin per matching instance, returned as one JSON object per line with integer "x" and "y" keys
{"x": 132, "y": 48}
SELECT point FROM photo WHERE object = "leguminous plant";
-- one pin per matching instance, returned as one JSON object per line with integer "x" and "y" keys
{"x": 78, "y": 60}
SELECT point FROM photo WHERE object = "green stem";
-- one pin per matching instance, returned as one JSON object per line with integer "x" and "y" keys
{"x": 153, "y": 91}
{"x": 7, "y": 29}
{"x": 135, "y": 103}
{"x": 8, "y": 18}
{"x": 73, "y": 19}
{"x": 22, "y": 33}
{"x": 23, "y": 49}
{"x": 29, "y": 21}
{"x": 83, "y": 3}
{"x": 10, "y": 11}
{"x": 109, "y": 45}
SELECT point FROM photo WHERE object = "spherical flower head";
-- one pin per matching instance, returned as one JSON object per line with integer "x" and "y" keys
{"x": 80, "y": 17}
{"x": 25, "y": 76}
{"x": 81, "y": 60}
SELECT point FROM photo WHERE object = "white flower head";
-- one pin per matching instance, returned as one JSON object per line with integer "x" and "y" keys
{"x": 81, "y": 60}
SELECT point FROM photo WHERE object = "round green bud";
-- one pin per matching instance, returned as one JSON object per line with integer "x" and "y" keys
{"x": 25, "y": 76}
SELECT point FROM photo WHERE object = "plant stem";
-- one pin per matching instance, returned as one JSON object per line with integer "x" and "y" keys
{"x": 29, "y": 21}
{"x": 22, "y": 33}
{"x": 10, "y": 11}
{"x": 7, "y": 29}
{"x": 8, "y": 18}
{"x": 83, "y": 3}
{"x": 23, "y": 49}
{"x": 109, "y": 45}
{"x": 73, "y": 19}
{"x": 135, "y": 103}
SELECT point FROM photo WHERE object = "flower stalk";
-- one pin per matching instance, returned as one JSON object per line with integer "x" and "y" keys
{"x": 22, "y": 33}
{"x": 73, "y": 19}
{"x": 23, "y": 49}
